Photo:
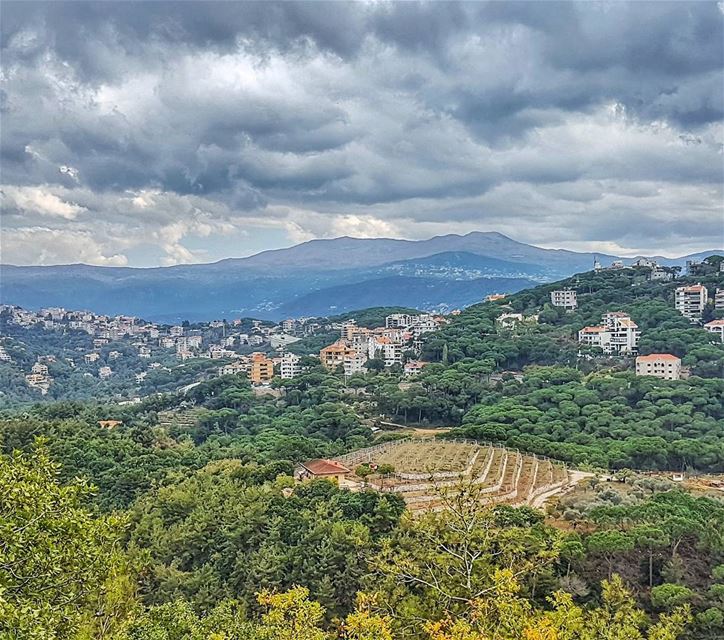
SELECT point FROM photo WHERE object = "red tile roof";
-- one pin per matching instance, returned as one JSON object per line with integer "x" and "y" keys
{"x": 715, "y": 323}
{"x": 657, "y": 356}
{"x": 325, "y": 467}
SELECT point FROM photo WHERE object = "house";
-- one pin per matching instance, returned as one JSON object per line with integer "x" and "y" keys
{"x": 289, "y": 366}
{"x": 716, "y": 327}
{"x": 262, "y": 369}
{"x": 109, "y": 424}
{"x": 644, "y": 262}
{"x": 494, "y": 297}
{"x": 104, "y": 373}
{"x": 565, "y": 298}
{"x": 659, "y": 365}
{"x": 691, "y": 300}
{"x": 617, "y": 335}
{"x": 90, "y": 358}
{"x": 334, "y": 354}
{"x": 413, "y": 367}
{"x": 233, "y": 369}
{"x": 321, "y": 469}
{"x": 661, "y": 274}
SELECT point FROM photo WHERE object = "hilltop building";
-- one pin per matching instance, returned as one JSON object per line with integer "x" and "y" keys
{"x": 617, "y": 335}
{"x": 659, "y": 365}
{"x": 691, "y": 300}
{"x": 565, "y": 298}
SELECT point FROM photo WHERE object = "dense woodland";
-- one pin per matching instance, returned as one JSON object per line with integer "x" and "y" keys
{"x": 183, "y": 522}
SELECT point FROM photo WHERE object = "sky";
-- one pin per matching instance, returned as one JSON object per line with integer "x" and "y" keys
{"x": 152, "y": 133}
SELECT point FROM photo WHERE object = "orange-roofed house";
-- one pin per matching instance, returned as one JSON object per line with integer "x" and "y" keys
{"x": 659, "y": 365}
{"x": 335, "y": 354}
{"x": 109, "y": 424}
{"x": 716, "y": 327}
{"x": 321, "y": 468}
{"x": 617, "y": 335}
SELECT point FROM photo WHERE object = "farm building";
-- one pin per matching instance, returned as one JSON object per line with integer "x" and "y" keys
{"x": 327, "y": 469}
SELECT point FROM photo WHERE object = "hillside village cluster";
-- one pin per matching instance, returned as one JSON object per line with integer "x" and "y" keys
{"x": 401, "y": 334}
{"x": 398, "y": 343}
{"x": 618, "y": 334}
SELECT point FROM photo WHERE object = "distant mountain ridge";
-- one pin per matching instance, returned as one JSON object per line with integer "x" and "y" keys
{"x": 443, "y": 272}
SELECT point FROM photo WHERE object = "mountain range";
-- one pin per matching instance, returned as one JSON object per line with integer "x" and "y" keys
{"x": 319, "y": 277}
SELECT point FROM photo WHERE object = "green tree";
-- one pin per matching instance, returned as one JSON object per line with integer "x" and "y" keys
{"x": 55, "y": 554}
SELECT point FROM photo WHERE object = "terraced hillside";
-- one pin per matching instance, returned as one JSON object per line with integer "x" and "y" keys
{"x": 423, "y": 467}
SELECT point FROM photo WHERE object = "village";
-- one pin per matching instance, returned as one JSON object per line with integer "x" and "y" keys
{"x": 260, "y": 351}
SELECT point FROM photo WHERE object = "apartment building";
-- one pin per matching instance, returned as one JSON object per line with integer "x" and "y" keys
{"x": 565, "y": 298}
{"x": 334, "y": 354}
{"x": 261, "y": 370}
{"x": 289, "y": 366}
{"x": 618, "y": 334}
{"x": 659, "y": 365}
{"x": 385, "y": 349}
{"x": 355, "y": 364}
{"x": 719, "y": 299}
{"x": 691, "y": 300}
{"x": 716, "y": 327}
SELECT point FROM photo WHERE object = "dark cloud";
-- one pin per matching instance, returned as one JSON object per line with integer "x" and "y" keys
{"x": 318, "y": 118}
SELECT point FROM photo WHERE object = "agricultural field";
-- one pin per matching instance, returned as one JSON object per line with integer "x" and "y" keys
{"x": 424, "y": 468}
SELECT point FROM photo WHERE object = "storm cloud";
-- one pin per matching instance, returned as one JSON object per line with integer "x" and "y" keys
{"x": 162, "y": 133}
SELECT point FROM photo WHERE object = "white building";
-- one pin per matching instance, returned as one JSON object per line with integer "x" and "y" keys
{"x": 618, "y": 334}
{"x": 39, "y": 369}
{"x": 104, "y": 373}
{"x": 661, "y": 274}
{"x": 659, "y": 365}
{"x": 413, "y": 367}
{"x": 719, "y": 298}
{"x": 233, "y": 369}
{"x": 691, "y": 300}
{"x": 385, "y": 349}
{"x": 565, "y": 298}
{"x": 354, "y": 364}
{"x": 90, "y": 358}
{"x": 716, "y": 327}
{"x": 289, "y": 366}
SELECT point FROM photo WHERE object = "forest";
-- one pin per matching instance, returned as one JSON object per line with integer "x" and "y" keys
{"x": 182, "y": 520}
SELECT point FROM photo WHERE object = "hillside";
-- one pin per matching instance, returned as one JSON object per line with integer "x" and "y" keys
{"x": 204, "y": 484}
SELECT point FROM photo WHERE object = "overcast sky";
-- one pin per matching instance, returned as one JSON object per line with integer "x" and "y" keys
{"x": 146, "y": 133}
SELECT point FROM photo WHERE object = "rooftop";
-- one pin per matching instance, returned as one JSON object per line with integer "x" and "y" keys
{"x": 325, "y": 467}
{"x": 653, "y": 357}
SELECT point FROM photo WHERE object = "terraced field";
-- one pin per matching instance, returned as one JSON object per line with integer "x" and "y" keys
{"x": 424, "y": 467}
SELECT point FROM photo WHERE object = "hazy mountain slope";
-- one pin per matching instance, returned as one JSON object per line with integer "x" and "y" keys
{"x": 421, "y": 293}
{"x": 268, "y": 284}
